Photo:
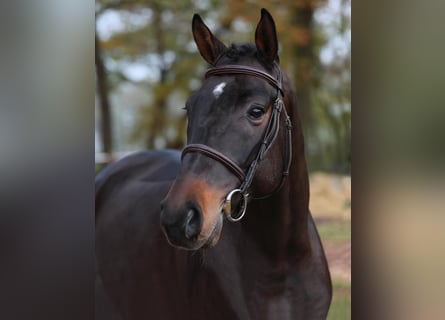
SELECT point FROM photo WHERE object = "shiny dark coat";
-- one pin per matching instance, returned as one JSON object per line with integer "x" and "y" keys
{"x": 270, "y": 265}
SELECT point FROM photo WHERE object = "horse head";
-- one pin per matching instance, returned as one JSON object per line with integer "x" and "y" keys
{"x": 238, "y": 137}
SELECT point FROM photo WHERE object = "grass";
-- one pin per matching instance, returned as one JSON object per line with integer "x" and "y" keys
{"x": 341, "y": 301}
{"x": 335, "y": 231}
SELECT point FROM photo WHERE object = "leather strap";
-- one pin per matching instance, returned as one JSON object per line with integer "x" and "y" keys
{"x": 216, "y": 155}
{"x": 243, "y": 70}
{"x": 270, "y": 135}
{"x": 273, "y": 127}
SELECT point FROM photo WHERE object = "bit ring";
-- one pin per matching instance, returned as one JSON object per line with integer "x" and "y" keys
{"x": 228, "y": 205}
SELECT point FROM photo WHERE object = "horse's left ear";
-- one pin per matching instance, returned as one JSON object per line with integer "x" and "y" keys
{"x": 266, "y": 38}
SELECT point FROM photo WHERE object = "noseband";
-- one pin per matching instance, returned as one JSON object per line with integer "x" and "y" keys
{"x": 270, "y": 134}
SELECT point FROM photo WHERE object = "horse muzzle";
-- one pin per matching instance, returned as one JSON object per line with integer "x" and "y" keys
{"x": 191, "y": 214}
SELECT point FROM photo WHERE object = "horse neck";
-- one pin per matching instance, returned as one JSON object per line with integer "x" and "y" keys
{"x": 279, "y": 223}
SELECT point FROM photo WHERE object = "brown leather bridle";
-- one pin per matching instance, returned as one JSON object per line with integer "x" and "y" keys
{"x": 271, "y": 133}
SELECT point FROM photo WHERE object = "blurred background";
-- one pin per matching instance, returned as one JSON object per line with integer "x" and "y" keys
{"x": 147, "y": 64}
{"x": 47, "y": 135}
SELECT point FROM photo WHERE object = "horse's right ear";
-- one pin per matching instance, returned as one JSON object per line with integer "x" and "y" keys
{"x": 208, "y": 45}
{"x": 266, "y": 38}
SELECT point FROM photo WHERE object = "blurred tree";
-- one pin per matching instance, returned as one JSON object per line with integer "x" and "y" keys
{"x": 102, "y": 89}
{"x": 305, "y": 57}
{"x": 163, "y": 43}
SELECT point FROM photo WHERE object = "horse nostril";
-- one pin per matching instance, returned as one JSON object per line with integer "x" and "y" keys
{"x": 193, "y": 223}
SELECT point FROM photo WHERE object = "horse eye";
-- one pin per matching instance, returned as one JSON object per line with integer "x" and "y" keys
{"x": 256, "y": 113}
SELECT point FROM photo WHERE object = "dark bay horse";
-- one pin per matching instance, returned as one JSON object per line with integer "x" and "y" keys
{"x": 223, "y": 229}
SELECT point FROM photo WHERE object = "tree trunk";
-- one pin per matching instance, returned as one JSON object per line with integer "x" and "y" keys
{"x": 305, "y": 58}
{"x": 160, "y": 101}
{"x": 104, "y": 103}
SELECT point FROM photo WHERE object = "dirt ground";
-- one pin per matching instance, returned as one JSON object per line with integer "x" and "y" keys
{"x": 339, "y": 259}
{"x": 330, "y": 202}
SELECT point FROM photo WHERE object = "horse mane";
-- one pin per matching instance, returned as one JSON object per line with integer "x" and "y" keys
{"x": 235, "y": 52}
{"x": 299, "y": 242}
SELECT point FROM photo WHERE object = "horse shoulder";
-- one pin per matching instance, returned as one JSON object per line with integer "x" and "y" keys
{"x": 128, "y": 194}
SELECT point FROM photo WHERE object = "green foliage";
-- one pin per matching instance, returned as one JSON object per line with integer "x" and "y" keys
{"x": 341, "y": 301}
{"x": 335, "y": 231}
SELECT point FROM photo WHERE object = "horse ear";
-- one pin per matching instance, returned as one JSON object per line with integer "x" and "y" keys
{"x": 208, "y": 45}
{"x": 266, "y": 38}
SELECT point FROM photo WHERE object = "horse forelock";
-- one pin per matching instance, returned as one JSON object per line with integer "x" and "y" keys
{"x": 242, "y": 53}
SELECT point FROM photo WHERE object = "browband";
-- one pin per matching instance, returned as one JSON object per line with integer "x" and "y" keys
{"x": 243, "y": 70}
